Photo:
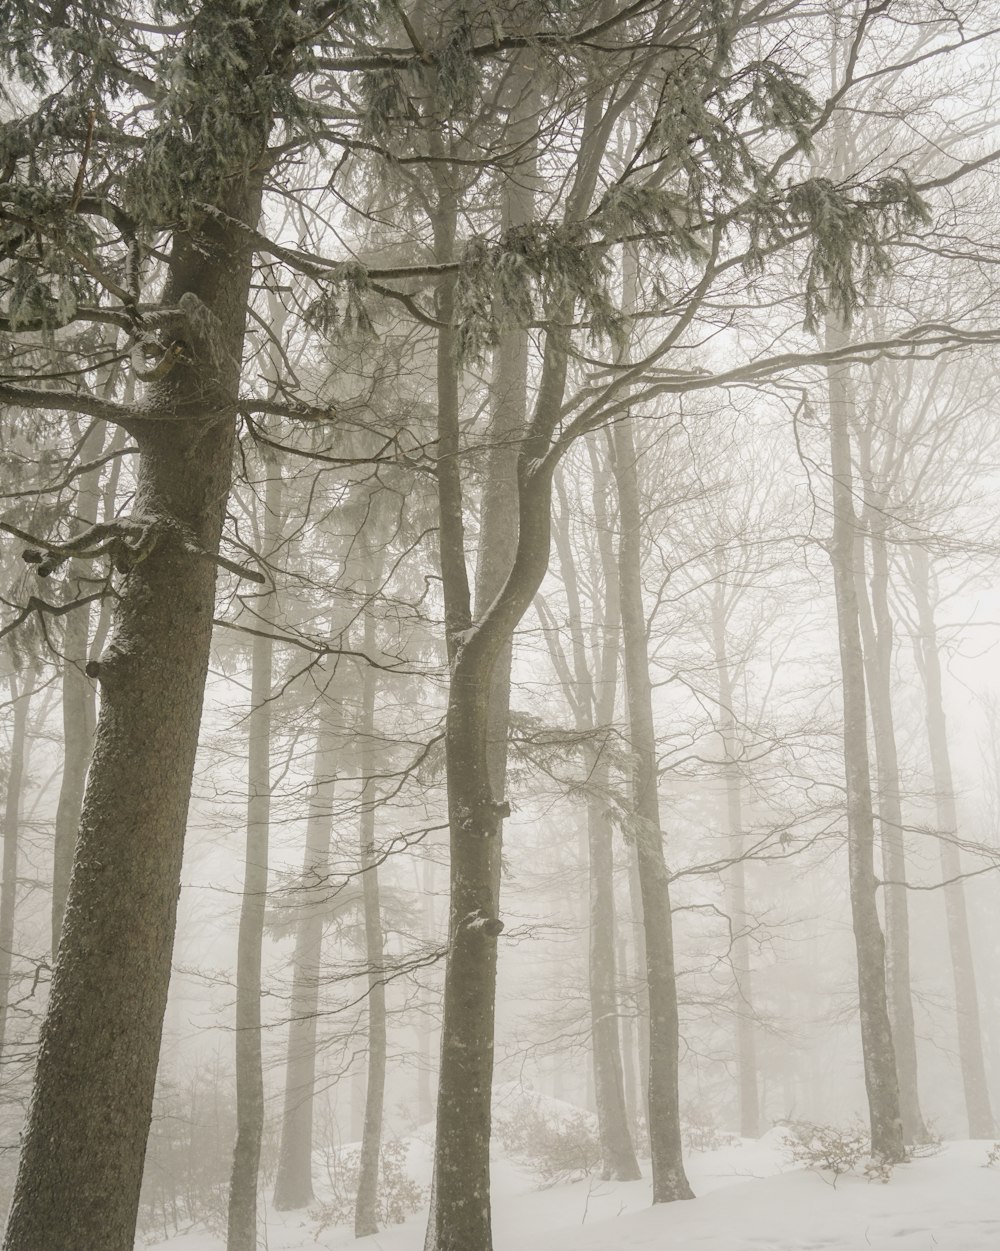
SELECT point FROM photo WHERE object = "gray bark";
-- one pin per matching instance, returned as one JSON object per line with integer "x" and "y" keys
{"x": 746, "y": 1041}
{"x": 970, "y": 1042}
{"x": 663, "y": 1099}
{"x": 81, "y": 1161}
{"x": 876, "y": 1033}
{"x": 293, "y": 1184}
{"x": 366, "y": 1206}
{"x": 876, "y": 623}
{"x": 21, "y": 690}
{"x": 78, "y": 702}
{"x": 242, "y": 1225}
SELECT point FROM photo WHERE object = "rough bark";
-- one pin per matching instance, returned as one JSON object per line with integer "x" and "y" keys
{"x": 82, "y": 1155}
{"x": 746, "y": 1041}
{"x": 293, "y": 1184}
{"x": 876, "y": 623}
{"x": 78, "y": 703}
{"x": 663, "y": 1100}
{"x": 241, "y": 1232}
{"x": 876, "y": 1033}
{"x": 970, "y": 1043}
{"x": 21, "y": 690}
{"x": 366, "y": 1205}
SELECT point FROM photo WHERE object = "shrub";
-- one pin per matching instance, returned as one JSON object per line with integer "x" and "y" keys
{"x": 557, "y": 1142}
{"x": 993, "y": 1156}
{"x": 831, "y": 1149}
{"x": 398, "y": 1194}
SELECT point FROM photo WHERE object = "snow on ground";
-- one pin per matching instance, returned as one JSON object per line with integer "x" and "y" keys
{"x": 750, "y": 1199}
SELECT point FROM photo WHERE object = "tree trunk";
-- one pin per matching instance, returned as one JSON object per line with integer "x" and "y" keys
{"x": 875, "y": 619}
{"x": 78, "y": 711}
{"x": 876, "y": 1033}
{"x": 592, "y": 697}
{"x": 663, "y": 1101}
{"x": 366, "y": 1206}
{"x": 242, "y": 1226}
{"x": 970, "y": 1043}
{"x": 82, "y": 1155}
{"x": 746, "y": 1042}
{"x": 21, "y": 691}
{"x": 293, "y": 1185}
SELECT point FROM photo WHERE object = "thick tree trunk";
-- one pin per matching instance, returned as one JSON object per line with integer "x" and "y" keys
{"x": 366, "y": 1206}
{"x": 242, "y": 1226}
{"x": 876, "y": 1033}
{"x": 877, "y": 639}
{"x": 293, "y": 1185}
{"x": 21, "y": 690}
{"x": 82, "y": 1155}
{"x": 746, "y": 1041}
{"x": 663, "y": 1102}
{"x": 78, "y": 702}
{"x": 970, "y": 1042}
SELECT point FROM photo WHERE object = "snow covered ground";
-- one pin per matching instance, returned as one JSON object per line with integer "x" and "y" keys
{"x": 750, "y": 1199}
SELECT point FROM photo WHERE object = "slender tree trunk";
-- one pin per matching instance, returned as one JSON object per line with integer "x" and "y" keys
{"x": 746, "y": 1041}
{"x": 876, "y": 1033}
{"x": 970, "y": 1043}
{"x": 877, "y": 639}
{"x": 669, "y": 1179}
{"x": 82, "y": 1153}
{"x": 293, "y": 1185}
{"x": 242, "y": 1227}
{"x": 629, "y": 1050}
{"x": 618, "y": 1159}
{"x": 366, "y": 1206}
{"x": 21, "y": 690}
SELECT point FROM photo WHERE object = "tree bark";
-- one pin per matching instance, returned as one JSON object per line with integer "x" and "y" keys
{"x": 78, "y": 703}
{"x": 293, "y": 1184}
{"x": 242, "y": 1225}
{"x": 876, "y": 1033}
{"x": 593, "y": 701}
{"x": 366, "y": 1206}
{"x": 875, "y": 618}
{"x": 663, "y": 1100}
{"x": 970, "y": 1042}
{"x": 746, "y": 1041}
{"x": 82, "y": 1155}
{"x": 21, "y": 690}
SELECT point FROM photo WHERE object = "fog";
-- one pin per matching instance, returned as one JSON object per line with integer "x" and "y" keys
{"x": 500, "y": 627}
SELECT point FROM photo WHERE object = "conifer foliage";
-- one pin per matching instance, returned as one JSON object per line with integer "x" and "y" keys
{"x": 162, "y": 168}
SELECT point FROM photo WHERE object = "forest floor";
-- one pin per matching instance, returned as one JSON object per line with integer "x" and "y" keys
{"x": 751, "y": 1198}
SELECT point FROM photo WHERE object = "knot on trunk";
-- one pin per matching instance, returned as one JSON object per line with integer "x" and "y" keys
{"x": 479, "y": 923}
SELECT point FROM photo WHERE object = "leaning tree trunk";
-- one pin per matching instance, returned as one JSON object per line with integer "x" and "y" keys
{"x": 876, "y": 623}
{"x": 663, "y": 1100}
{"x": 970, "y": 1043}
{"x": 21, "y": 691}
{"x": 242, "y": 1225}
{"x": 366, "y": 1204}
{"x": 746, "y": 1041}
{"x": 876, "y": 1033}
{"x": 82, "y": 1155}
{"x": 293, "y": 1184}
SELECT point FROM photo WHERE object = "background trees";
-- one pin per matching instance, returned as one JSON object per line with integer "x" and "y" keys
{"x": 417, "y": 259}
